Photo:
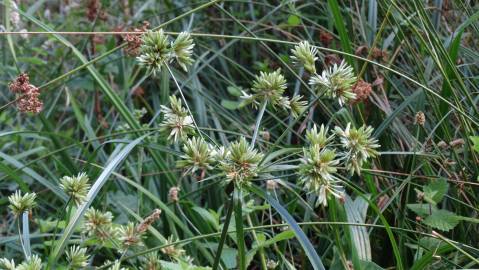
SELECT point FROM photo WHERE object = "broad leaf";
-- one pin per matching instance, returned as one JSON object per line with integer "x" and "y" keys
{"x": 422, "y": 209}
{"x": 442, "y": 220}
{"x": 435, "y": 191}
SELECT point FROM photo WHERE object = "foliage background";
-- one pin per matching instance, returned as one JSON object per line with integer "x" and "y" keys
{"x": 426, "y": 61}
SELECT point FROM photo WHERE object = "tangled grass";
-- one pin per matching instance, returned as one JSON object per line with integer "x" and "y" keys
{"x": 239, "y": 135}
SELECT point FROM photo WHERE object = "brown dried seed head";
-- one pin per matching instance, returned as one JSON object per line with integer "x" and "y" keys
{"x": 361, "y": 50}
{"x": 325, "y": 38}
{"x": 420, "y": 118}
{"x": 457, "y": 143}
{"x": 146, "y": 223}
{"x": 30, "y": 101}
{"x": 442, "y": 144}
{"x": 134, "y": 40}
{"x": 20, "y": 84}
{"x": 271, "y": 184}
{"x": 331, "y": 59}
{"x": 173, "y": 194}
{"x": 362, "y": 90}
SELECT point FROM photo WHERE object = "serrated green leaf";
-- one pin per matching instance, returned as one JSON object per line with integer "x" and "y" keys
{"x": 442, "y": 220}
{"x": 422, "y": 209}
{"x": 435, "y": 191}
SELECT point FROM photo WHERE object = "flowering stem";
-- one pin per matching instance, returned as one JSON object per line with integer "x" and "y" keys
{"x": 11, "y": 102}
{"x": 224, "y": 232}
{"x": 237, "y": 197}
{"x": 26, "y": 234}
{"x": 184, "y": 100}
{"x": 258, "y": 122}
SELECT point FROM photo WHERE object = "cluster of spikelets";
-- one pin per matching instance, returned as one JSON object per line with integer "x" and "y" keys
{"x": 322, "y": 158}
{"x": 157, "y": 51}
{"x": 337, "y": 81}
{"x": 98, "y": 227}
{"x": 31, "y": 263}
{"x": 268, "y": 88}
{"x": 325, "y": 154}
{"x": 239, "y": 162}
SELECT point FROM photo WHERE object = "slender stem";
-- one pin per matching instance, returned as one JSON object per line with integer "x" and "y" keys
{"x": 258, "y": 122}
{"x": 184, "y": 100}
{"x": 10, "y": 103}
{"x": 21, "y": 238}
{"x": 229, "y": 206}
{"x": 26, "y": 234}
{"x": 237, "y": 197}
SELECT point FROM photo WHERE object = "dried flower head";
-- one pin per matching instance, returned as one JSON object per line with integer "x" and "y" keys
{"x": 129, "y": 236}
{"x": 29, "y": 95}
{"x": 32, "y": 263}
{"x": 306, "y": 55}
{"x": 173, "y": 194}
{"x": 182, "y": 50}
{"x": 326, "y": 38}
{"x": 457, "y": 143}
{"x": 358, "y": 145}
{"x": 76, "y": 187}
{"x": 317, "y": 173}
{"x": 269, "y": 87}
{"x": 362, "y": 90}
{"x": 197, "y": 156}
{"x": 319, "y": 138}
{"x": 172, "y": 250}
{"x": 20, "y": 204}
{"x": 77, "y": 257}
{"x": 336, "y": 82}
{"x": 155, "y": 51}
{"x": 420, "y": 118}
{"x": 134, "y": 41}
{"x": 20, "y": 84}
{"x": 146, "y": 223}
{"x": 176, "y": 121}
{"x": 241, "y": 161}
{"x": 93, "y": 11}
{"x": 99, "y": 224}
{"x": 30, "y": 100}
{"x": 331, "y": 59}
{"x": 271, "y": 184}
{"x": 297, "y": 106}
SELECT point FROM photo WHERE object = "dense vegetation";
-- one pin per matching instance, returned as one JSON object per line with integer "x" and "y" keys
{"x": 239, "y": 134}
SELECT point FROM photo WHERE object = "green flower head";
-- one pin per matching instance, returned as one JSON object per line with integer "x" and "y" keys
{"x": 358, "y": 144}
{"x": 77, "y": 257}
{"x": 269, "y": 87}
{"x": 320, "y": 137}
{"x": 176, "y": 121}
{"x": 182, "y": 50}
{"x": 155, "y": 51}
{"x": 20, "y": 204}
{"x": 317, "y": 173}
{"x": 241, "y": 162}
{"x": 306, "y": 55}
{"x": 198, "y": 156}
{"x": 76, "y": 187}
{"x": 336, "y": 82}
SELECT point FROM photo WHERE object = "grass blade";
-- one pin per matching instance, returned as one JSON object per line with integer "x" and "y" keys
{"x": 101, "y": 180}
{"x": 313, "y": 257}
